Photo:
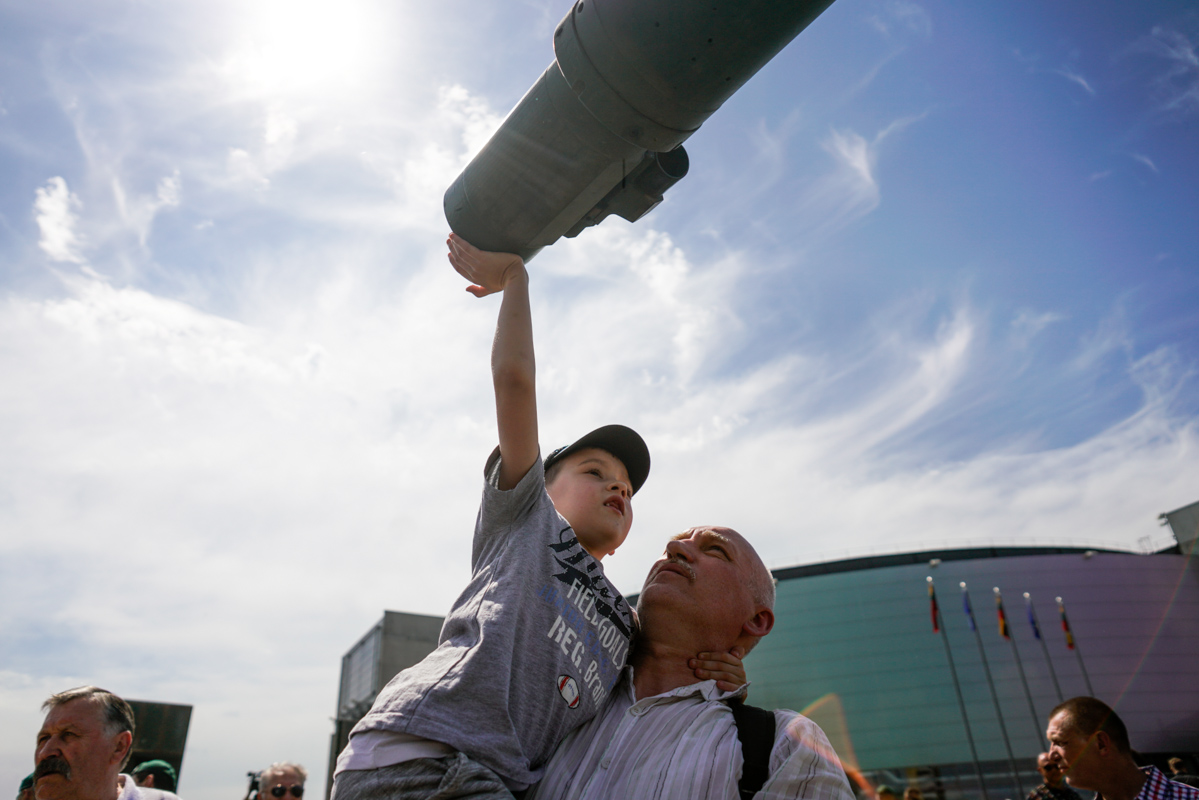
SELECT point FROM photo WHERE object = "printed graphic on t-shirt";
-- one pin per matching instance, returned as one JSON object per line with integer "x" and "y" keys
{"x": 590, "y": 628}
{"x": 569, "y": 690}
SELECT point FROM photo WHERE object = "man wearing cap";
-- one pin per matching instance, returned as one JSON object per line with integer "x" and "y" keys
{"x": 155, "y": 774}
{"x": 84, "y": 742}
{"x": 25, "y": 792}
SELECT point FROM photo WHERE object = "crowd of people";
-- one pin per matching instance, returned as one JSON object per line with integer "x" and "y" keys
{"x": 546, "y": 684}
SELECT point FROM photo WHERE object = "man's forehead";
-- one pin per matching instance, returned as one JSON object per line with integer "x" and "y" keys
{"x": 712, "y": 532}
{"x": 81, "y": 711}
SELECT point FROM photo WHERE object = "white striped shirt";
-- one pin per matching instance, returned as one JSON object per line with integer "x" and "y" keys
{"x": 682, "y": 745}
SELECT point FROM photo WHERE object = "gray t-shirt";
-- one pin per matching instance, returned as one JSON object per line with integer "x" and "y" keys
{"x": 530, "y": 650}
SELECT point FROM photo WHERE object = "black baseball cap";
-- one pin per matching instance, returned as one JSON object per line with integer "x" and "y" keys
{"x": 620, "y": 441}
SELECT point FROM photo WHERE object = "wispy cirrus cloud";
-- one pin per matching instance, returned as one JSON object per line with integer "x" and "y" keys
{"x": 1177, "y": 86}
{"x": 851, "y": 190}
{"x": 1141, "y": 158}
{"x": 1077, "y": 79}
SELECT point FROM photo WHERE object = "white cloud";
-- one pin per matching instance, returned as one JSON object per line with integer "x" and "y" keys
{"x": 1177, "y": 87}
{"x": 1028, "y": 323}
{"x": 54, "y": 208}
{"x": 1074, "y": 77}
{"x": 1144, "y": 159}
{"x": 851, "y": 190}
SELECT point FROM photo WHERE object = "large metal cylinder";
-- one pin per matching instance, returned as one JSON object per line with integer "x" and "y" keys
{"x": 632, "y": 79}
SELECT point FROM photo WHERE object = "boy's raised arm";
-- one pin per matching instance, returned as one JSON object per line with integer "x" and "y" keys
{"x": 513, "y": 370}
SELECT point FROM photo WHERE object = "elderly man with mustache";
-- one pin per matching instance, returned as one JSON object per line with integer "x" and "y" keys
{"x": 663, "y": 735}
{"x": 84, "y": 742}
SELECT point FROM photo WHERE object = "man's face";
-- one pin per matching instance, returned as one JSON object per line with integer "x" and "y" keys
{"x": 281, "y": 784}
{"x": 77, "y": 757}
{"x": 705, "y": 578}
{"x": 1051, "y": 771}
{"x": 593, "y": 492}
{"x": 1073, "y": 752}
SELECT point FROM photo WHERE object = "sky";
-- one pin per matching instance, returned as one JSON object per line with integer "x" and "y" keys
{"x": 932, "y": 281}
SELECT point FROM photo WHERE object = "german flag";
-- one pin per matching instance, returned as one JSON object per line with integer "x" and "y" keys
{"x": 932, "y": 606}
{"x": 1061, "y": 609}
{"x": 1004, "y": 631}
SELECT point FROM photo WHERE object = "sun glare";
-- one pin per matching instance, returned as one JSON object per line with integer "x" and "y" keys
{"x": 309, "y": 47}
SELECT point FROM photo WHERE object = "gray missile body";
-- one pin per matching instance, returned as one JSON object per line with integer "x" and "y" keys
{"x": 601, "y": 131}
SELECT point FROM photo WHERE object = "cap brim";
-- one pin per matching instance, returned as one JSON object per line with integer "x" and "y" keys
{"x": 619, "y": 440}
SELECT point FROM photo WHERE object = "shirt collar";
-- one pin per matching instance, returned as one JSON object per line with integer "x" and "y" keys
{"x": 706, "y": 690}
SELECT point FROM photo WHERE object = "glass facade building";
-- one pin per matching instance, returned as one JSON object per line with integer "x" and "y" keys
{"x": 853, "y": 647}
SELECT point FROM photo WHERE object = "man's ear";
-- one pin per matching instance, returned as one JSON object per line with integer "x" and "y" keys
{"x": 124, "y": 741}
{"x": 759, "y": 624}
{"x": 1103, "y": 743}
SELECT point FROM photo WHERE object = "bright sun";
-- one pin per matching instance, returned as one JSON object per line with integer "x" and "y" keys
{"x": 309, "y": 47}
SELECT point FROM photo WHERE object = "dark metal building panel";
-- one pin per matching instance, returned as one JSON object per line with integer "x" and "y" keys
{"x": 160, "y": 731}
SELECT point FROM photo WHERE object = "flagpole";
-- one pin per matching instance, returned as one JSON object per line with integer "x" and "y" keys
{"x": 991, "y": 683}
{"x": 1007, "y": 634}
{"x": 939, "y": 625}
{"x": 1072, "y": 645}
{"x": 1036, "y": 632}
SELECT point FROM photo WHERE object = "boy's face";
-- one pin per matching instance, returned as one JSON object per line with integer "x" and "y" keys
{"x": 592, "y": 490}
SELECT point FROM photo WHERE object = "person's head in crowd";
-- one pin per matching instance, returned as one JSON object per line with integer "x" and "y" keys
{"x": 25, "y": 792}
{"x": 84, "y": 742}
{"x": 1090, "y": 743}
{"x": 912, "y": 793}
{"x": 155, "y": 774}
{"x": 1051, "y": 771}
{"x": 710, "y": 592}
{"x": 281, "y": 779}
{"x": 885, "y": 792}
{"x": 1176, "y": 766}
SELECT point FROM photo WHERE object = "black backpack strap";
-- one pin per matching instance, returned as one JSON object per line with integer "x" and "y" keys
{"x": 755, "y": 729}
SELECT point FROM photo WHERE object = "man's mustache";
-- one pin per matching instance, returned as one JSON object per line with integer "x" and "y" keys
{"x": 684, "y": 564}
{"x": 52, "y": 765}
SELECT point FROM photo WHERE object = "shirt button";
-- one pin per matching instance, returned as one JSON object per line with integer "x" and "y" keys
{"x": 605, "y": 762}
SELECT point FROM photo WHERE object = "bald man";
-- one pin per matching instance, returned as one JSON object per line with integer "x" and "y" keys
{"x": 663, "y": 735}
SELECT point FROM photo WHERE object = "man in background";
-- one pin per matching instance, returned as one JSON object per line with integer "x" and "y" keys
{"x": 84, "y": 742}
{"x": 1178, "y": 768}
{"x": 281, "y": 779}
{"x": 1090, "y": 743}
{"x": 155, "y": 774}
{"x": 1052, "y": 786}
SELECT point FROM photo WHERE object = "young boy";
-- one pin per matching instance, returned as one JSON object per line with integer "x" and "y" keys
{"x": 534, "y": 644}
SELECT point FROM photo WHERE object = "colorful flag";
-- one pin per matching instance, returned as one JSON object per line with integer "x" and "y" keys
{"x": 1003, "y": 629}
{"x": 966, "y": 607}
{"x": 1061, "y": 608}
{"x": 932, "y": 603}
{"x": 1032, "y": 618}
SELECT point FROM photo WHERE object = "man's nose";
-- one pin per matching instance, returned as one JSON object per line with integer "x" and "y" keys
{"x": 618, "y": 485}
{"x": 680, "y": 548}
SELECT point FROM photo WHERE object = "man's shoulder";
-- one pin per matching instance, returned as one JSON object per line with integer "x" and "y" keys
{"x": 1159, "y": 787}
